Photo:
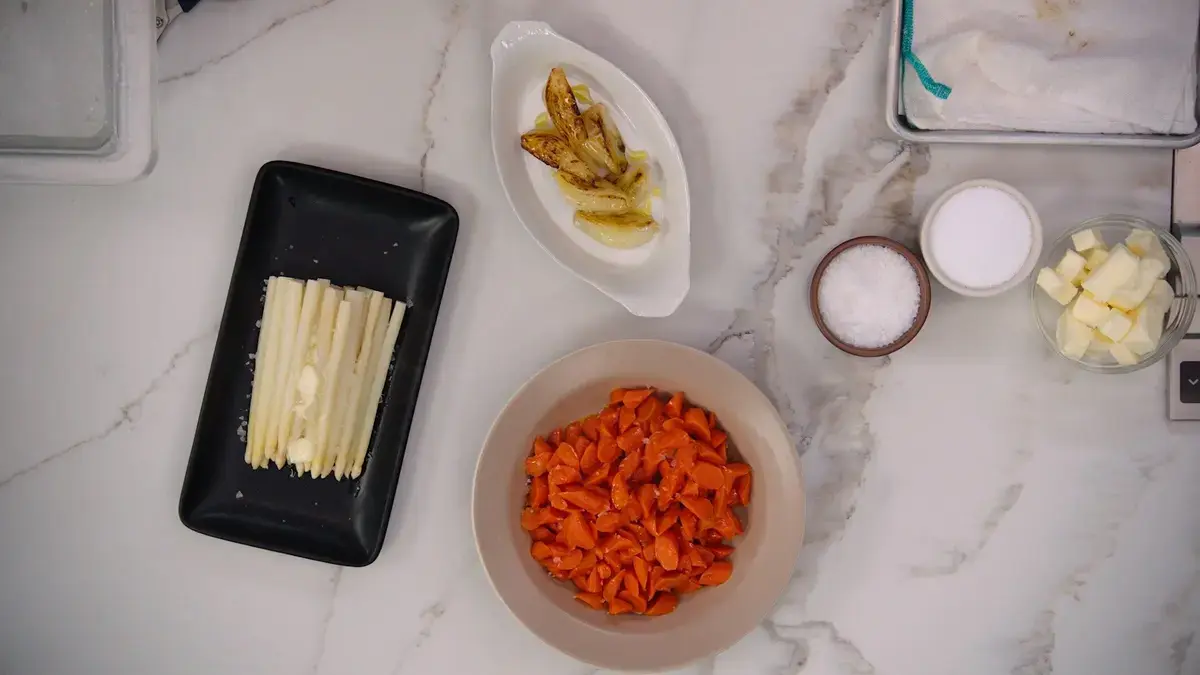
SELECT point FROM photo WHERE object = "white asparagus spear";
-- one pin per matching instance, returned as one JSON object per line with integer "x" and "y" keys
{"x": 383, "y": 360}
{"x": 314, "y": 291}
{"x": 259, "y": 460}
{"x": 254, "y": 435}
{"x": 293, "y": 292}
{"x": 355, "y": 400}
{"x": 306, "y": 426}
{"x": 329, "y": 385}
{"x": 345, "y": 378}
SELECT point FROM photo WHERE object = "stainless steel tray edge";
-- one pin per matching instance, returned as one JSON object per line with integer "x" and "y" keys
{"x": 899, "y": 124}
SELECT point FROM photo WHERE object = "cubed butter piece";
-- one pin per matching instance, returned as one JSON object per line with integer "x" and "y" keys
{"x": 1120, "y": 267}
{"x": 1161, "y": 296}
{"x": 1088, "y": 239}
{"x": 1146, "y": 333}
{"x": 1088, "y": 311}
{"x": 1070, "y": 266}
{"x": 1099, "y": 346}
{"x": 1095, "y": 258}
{"x": 1128, "y": 297}
{"x": 1146, "y": 244}
{"x": 1116, "y": 325}
{"x": 1072, "y": 335}
{"x": 1055, "y": 286}
{"x": 1122, "y": 354}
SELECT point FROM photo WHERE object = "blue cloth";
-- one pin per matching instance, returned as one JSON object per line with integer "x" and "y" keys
{"x": 906, "y": 38}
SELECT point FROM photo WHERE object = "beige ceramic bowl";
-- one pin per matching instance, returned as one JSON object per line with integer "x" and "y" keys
{"x": 707, "y": 621}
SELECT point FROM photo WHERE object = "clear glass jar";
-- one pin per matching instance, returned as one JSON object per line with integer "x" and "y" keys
{"x": 1182, "y": 277}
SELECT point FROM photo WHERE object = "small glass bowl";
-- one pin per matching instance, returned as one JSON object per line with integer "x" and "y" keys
{"x": 1182, "y": 277}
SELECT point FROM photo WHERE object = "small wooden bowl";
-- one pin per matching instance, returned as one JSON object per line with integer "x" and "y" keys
{"x": 922, "y": 281}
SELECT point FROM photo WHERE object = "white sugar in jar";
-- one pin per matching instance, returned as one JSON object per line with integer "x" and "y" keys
{"x": 981, "y": 238}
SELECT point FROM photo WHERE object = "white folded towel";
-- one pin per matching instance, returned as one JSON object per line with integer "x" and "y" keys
{"x": 1099, "y": 66}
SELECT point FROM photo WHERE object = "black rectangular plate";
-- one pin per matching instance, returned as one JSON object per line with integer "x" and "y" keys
{"x": 312, "y": 223}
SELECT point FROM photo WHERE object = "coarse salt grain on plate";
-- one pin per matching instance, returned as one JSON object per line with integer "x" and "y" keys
{"x": 869, "y": 296}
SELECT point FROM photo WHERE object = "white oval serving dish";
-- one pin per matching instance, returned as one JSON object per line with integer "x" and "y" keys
{"x": 650, "y": 280}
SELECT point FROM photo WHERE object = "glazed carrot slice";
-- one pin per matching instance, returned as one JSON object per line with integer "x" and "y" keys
{"x": 593, "y": 582}
{"x": 592, "y": 600}
{"x": 741, "y": 487}
{"x": 619, "y": 606}
{"x": 718, "y": 437}
{"x": 563, "y": 474}
{"x": 668, "y": 487}
{"x": 674, "y": 424}
{"x": 571, "y": 560}
{"x": 668, "y": 519}
{"x": 609, "y": 418}
{"x": 631, "y": 440}
{"x": 720, "y": 551}
{"x": 685, "y": 457}
{"x": 539, "y": 492}
{"x": 554, "y": 438}
{"x": 636, "y": 601}
{"x": 625, "y": 419}
{"x": 663, "y": 604}
{"x": 608, "y": 522}
{"x": 641, "y": 571}
{"x": 591, "y": 427}
{"x": 648, "y": 553}
{"x": 690, "y": 489}
{"x": 649, "y": 409}
{"x": 616, "y": 396}
{"x": 532, "y": 519}
{"x": 689, "y": 525}
{"x": 540, "y": 551}
{"x": 620, "y": 491}
{"x": 687, "y": 586}
{"x": 571, "y": 433}
{"x": 709, "y": 476}
{"x": 586, "y": 500}
{"x": 613, "y": 585}
{"x": 666, "y": 550}
{"x": 607, "y": 450}
{"x": 599, "y": 476}
{"x": 717, "y": 574}
{"x": 541, "y": 533}
{"x": 589, "y": 459}
{"x": 696, "y": 422}
{"x": 630, "y": 582}
{"x": 706, "y": 453}
{"x": 567, "y": 454}
{"x": 540, "y": 446}
{"x": 674, "y": 407}
{"x": 701, "y": 507}
{"x": 634, "y": 397}
{"x": 579, "y": 533}
{"x": 631, "y": 463}
{"x": 538, "y": 464}
{"x": 737, "y": 468}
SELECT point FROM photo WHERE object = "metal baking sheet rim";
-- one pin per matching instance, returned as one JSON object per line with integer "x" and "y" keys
{"x": 899, "y": 124}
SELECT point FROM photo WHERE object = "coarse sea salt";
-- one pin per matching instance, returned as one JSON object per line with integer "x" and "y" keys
{"x": 869, "y": 296}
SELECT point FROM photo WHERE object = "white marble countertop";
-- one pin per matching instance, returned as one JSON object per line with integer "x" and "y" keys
{"x": 977, "y": 506}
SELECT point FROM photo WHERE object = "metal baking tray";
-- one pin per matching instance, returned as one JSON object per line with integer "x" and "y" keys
{"x": 898, "y": 121}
